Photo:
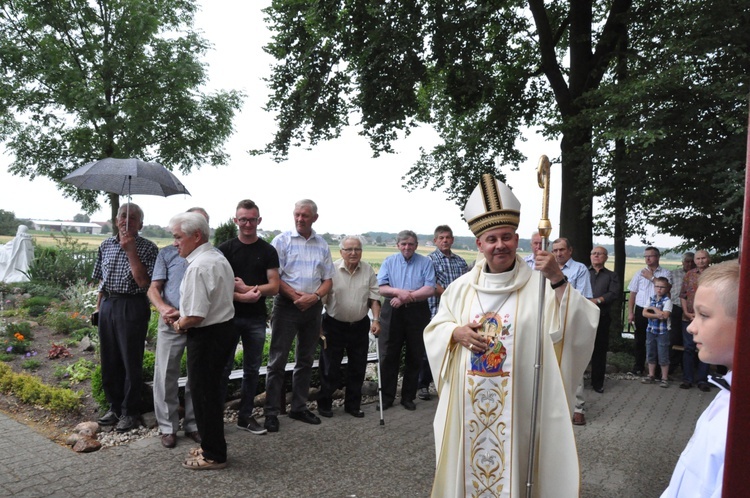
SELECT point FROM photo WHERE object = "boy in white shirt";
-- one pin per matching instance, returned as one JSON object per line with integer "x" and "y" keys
{"x": 700, "y": 469}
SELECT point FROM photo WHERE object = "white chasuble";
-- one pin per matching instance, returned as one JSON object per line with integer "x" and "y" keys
{"x": 488, "y": 398}
{"x": 482, "y": 423}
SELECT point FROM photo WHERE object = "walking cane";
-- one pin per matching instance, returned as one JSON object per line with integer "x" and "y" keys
{"x": 545, "y": 228}
{"x": 380, "y": 384}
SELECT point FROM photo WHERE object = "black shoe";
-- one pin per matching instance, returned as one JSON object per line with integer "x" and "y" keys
{"x": 424, "y": 394}
{"x": 251, "y": 425}
{"x": 272, "y": 423}
{"x": 325, "y": 412}
{"x": 704, "y": 386}
{"x": 305, "y": 416}
{"x": 126, "y": 423}
{"x": 109, "y": 418}
{"x": 355, "y": 413}
{"x": 686, "y": 385}
{"x": 409, "y": 405}
{"x": 599, "y": 389}
{"x": 385, "y": 405}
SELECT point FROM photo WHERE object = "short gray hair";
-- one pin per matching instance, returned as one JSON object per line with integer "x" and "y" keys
{"x": 189, "y": 223}
{"x": 129, "y": 206}
{"x": 406, "y": 234}
{"x": 351, "y": 237}
{"x": 307, "y": 202}
{"x": 199, "y": 210}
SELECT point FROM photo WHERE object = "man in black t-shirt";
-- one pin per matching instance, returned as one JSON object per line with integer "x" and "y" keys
{"x": 256, "y": 270}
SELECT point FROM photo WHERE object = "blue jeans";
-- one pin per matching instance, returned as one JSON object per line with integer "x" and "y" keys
{"x": 252, "y": 332}
{"x": 690, "y": 360}
{"x": 657, "y": 345}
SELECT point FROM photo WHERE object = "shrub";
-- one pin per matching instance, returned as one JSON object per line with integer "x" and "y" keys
{"x": 97, "y": 391}
{"x": 36, "y": 306}
{"x": 225, "y": 231}
{"x": 81, "y": 297}
{"x": 31, "y": 364}
{"x": 65, "y": 322}
{"x": 80, "y": 371}
{"x": 149, "y": 360}
{"x": 623, "y": 361}
{"x": 63, "y": 265}
{"x": 153, "y": 326}
{"x": 16, "y": 338}
{"x": 31, "y": 390}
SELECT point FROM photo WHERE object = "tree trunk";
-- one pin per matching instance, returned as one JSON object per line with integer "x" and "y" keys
{"x": 114, "y": 201}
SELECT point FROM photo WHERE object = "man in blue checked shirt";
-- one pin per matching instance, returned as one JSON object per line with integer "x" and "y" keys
{"x": 406, "y": 281}
{"x": 448, "y": 267}
{"x": 578, "y": 277}
{"x": 124, "y": 265}
{"x": 306, "y": 272}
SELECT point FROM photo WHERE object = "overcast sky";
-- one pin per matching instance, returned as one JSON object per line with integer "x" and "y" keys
{"x": 354, "y": 192}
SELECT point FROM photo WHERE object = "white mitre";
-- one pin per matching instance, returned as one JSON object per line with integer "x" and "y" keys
{"x": 491, "y": 205}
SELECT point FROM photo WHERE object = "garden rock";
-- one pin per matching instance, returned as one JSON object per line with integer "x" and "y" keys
{"x": 87, "y": 429}
{"x": 86, "y": 445}
{"x": 149, "y": 420}
{"x": 85, "y": 344}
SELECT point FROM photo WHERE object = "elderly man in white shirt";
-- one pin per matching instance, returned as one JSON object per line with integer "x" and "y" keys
{"x": 205, "y": 315}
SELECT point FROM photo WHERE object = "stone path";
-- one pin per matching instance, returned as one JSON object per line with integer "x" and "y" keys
{"x": 628, "y": 448}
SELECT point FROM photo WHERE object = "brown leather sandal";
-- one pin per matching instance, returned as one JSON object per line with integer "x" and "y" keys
{"x": 202, "y": 463}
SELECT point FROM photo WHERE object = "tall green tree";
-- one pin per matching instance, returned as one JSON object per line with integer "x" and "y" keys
{"x": 84, "y": 80}
{"x": 681, "y": 117}
{"x": 477, "y": 71}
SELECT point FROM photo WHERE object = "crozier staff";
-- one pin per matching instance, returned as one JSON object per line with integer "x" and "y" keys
{"x": 481, "y": 347}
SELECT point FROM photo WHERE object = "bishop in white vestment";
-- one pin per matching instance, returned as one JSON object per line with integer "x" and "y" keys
{"x": 481, "y": 345}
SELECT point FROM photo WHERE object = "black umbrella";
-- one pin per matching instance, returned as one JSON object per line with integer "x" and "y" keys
{"x": 126, "y": 177}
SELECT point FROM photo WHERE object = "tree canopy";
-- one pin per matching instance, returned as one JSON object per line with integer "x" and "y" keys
{"x": 592, "y": 73}
{"x": 83, "y": 80}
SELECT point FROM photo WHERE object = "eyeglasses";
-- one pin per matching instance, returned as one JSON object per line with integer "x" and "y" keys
{"x": 352, "y": 249}
{"x": 660, "y": 286}
{"x": 596, "y": 253}
{"x": 245, "y": 221}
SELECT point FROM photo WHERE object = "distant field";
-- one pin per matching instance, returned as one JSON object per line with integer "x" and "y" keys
{"x": 372, "y": 254}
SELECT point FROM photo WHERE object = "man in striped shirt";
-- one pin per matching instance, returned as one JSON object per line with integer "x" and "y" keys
{"x": 306, "y": 272}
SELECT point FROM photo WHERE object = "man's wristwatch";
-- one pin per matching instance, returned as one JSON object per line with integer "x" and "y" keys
{"x": 317, "y": 295}
{"x": 560, "y": 283}
{"x": 376, "y": 319}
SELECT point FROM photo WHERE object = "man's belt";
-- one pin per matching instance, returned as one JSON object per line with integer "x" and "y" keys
{"x": 343, "y": 322}
{"x": 118, "y": 295}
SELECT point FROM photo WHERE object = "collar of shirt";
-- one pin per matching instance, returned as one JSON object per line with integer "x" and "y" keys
{"x": 206, "y": 246}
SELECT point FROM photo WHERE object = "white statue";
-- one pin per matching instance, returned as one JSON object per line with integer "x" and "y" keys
{"x": 16, "y": 256}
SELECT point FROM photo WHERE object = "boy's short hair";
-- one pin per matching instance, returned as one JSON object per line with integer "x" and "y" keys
{"x": 663, "y": 280}
{"x": 725, "y": 279}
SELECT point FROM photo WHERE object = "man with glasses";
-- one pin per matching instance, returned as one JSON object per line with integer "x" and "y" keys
{"x": 255, "y": 264}
{"x": 606, "y": 289}
{"x": 641, "y": 289}
{"x": 346, "y": 327}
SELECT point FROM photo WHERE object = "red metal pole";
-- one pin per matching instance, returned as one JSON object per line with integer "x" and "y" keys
{"x": 736, "y": 475}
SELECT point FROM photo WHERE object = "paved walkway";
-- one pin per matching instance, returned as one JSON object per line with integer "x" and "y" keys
{"x": 633, "y": 438}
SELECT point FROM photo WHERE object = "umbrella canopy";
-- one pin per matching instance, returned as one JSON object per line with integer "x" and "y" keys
{"x": 126, "y": 177}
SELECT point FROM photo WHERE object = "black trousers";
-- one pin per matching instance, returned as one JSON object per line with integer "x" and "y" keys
{"x": 123, "y": 324}
{"x": 399, "y": 327}
{"x": 208, "y": 350}
{"x": 599, "y": 356}
{"x": 354, "y": 339}
{"x": 641, "y": 324}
